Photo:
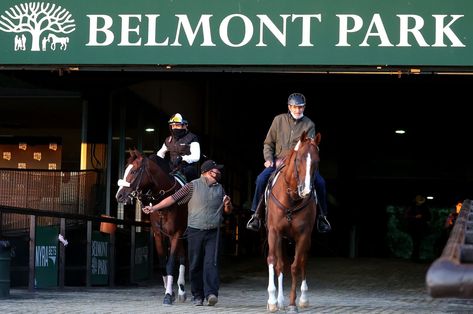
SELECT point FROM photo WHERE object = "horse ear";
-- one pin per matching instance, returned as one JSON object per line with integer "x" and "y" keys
{"x": 317, "y": 139}
{"x": 137, "y": 153}
{"x": 303, "y": 136}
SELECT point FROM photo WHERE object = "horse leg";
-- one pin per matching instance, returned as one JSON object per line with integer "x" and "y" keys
{"x": 158, "y": 243}
{"x": 170, "y": 268}
{"x": 280, "y": 264}
{"x": 182, "y": 296}
{"x": 273, "y": 302}
{"x": 299, "y": 267}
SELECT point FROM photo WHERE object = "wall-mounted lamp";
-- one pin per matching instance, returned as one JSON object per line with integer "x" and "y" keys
{"x": 149, "y": 130}
{"x": 400, "y": 131}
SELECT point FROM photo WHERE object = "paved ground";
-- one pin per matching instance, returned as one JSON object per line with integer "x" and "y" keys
{"x": 336, "y": 285}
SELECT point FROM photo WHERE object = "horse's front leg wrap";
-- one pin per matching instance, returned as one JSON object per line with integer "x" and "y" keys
{"x": 271, "y": 290}
{"x": 181, "y": 283}
{"x": 170, "y": 280}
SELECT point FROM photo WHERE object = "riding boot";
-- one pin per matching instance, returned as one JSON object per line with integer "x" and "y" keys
{"x": 323, "y": 226}
{"x": 255, "y": 221}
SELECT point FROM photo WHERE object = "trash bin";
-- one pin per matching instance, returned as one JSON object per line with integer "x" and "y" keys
{"x": 5, "y": 257}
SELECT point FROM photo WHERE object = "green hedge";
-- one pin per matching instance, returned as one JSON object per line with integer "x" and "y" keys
{"x": 399, "y": 241}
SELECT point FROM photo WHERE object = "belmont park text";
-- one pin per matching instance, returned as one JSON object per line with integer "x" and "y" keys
{"x": 238, "y": 30}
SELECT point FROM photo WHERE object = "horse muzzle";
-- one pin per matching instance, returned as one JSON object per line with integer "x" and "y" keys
{"x": 303, "y": 190}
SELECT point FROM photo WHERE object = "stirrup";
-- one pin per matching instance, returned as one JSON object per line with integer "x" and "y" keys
{"x": 254, "y": 223}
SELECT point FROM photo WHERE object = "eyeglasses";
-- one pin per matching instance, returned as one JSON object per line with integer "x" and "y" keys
{"x": 215, "y": 172}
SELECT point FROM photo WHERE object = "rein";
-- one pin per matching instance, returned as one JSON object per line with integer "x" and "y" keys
{"x": 289, "y": 212}
{"x": 290, "y": 191}
{"x": 138, "y": 194}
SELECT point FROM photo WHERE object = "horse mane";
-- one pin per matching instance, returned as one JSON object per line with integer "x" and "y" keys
{"x": 134, "y": 154}
{"x": 161, "y": 162}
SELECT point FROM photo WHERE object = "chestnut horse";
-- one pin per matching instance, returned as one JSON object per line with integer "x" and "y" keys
{"x": 291, "y": 213}
{"x": 148, "y": 182}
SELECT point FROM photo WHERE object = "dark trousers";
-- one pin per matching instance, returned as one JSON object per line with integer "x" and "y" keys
{"x": 262, "y": 180}
{"x": 190, "y": 172}
{"x": 203, "y": 262}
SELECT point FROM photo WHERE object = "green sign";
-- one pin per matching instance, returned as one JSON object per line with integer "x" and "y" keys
{"x": 231, "y": 32}
{"x": 46, "y": 257}
{"x": 141, "y": 257}
{"x": 100, "y": 258}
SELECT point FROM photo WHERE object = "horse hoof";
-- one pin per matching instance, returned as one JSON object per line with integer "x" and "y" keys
{"x": 292, "y": 309}
{"x": 167, "y": 299}
{"x": 182, "y": 297}
{"x": 304, "y": 304}
{"x": 272, "y": 308}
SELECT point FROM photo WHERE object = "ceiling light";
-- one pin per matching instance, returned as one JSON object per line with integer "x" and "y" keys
{"x": 149, "y": 130}
{"x": 400, "y": 131}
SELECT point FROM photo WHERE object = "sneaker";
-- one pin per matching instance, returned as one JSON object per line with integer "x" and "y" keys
{"x": 323, "y": 226}
{"x": 253, "y": 224}
{"x": 197, "y": 301}
{"x": 212, "y": 300}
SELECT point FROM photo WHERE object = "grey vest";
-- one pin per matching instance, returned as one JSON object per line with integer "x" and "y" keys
{"x": 205, "y": 206}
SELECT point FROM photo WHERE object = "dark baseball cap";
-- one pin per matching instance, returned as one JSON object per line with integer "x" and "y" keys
{"x": 209, "y": 165}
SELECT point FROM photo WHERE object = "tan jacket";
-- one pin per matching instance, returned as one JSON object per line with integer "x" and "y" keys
{"x": 284, "y": 134}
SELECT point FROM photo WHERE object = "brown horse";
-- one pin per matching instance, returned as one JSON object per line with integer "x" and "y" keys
{"x": 291, "y": 213}
{"x": 148, "y": 181}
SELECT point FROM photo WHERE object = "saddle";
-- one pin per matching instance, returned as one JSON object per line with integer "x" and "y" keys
{"x": 179, "y": 176}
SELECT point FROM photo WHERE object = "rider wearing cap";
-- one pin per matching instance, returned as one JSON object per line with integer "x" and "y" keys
{"x": 282, "y": 137}
{"x": 183, "y": 147}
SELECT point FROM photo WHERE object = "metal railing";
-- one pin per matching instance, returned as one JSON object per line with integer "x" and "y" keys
{"x": 61, "y": 220}
{"x": 451, "y": 275}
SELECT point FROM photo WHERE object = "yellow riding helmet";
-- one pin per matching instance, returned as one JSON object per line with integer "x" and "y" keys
{"x": 177, "y": 118}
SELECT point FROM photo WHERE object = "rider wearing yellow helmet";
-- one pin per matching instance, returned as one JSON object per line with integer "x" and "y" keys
{"x": 183, "y": 147}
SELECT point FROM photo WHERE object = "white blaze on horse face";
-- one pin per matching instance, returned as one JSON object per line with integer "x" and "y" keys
{"x": 297, "y": 146}
{"x": 122, "y": 182}
{"x": 307, "y": 178}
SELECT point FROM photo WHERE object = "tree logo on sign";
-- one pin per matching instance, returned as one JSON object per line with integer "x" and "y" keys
{"x": 46, "y": 24}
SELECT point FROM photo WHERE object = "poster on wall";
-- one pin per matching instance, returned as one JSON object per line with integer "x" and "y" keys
{"x": 46, "y": 257}
{"x": 100, "y": 258}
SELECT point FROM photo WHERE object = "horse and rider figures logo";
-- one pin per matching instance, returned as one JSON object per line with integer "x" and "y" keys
{"x": 46, "y": 24}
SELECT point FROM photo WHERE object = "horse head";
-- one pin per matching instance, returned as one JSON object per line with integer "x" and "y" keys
{"x": 303, "y": 164}
{"x": 144, "y": 179}
{"x": 129, "y": 185}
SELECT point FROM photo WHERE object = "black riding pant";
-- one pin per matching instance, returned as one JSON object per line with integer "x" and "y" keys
{"x": 203, "y": 262}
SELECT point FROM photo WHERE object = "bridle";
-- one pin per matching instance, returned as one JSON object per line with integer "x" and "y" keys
{"x": 291, "y": 192}
{"x": 149, "y": 195}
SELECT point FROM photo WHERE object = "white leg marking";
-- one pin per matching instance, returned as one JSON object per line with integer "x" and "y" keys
{"x": 304, "y": 299}
{"x": 280, "y": 291}
{"x": 271, "y": 286}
